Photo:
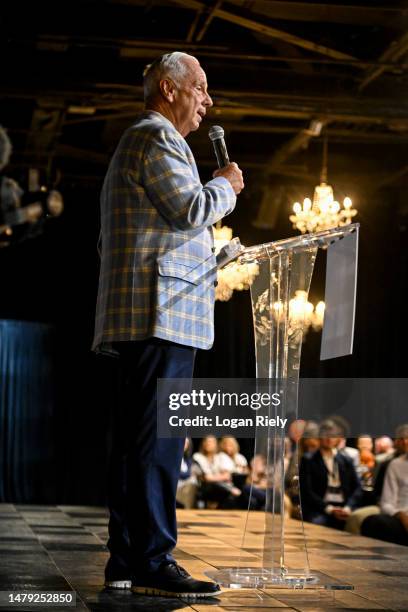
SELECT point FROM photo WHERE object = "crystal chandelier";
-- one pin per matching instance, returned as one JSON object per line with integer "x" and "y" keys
{"x": 324, "y": 212}
{"x": 234, "y": 276}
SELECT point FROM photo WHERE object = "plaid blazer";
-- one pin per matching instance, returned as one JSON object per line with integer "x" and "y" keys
{"x": 157, "y": 258}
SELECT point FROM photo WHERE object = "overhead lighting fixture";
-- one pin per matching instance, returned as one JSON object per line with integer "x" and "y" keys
{"x": 324, "y": 212}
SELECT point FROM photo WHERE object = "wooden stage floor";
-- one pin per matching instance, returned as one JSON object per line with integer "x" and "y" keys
{"x": 62, "y": 548}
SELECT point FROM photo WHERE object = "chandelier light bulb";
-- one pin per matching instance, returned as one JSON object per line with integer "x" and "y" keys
{"x": 320, "y": 306}
{"x": 324, "y": 206}
{"x": 347, "y": 203}
{"x": 297, "y": 208}
{"x": 308, "y": 308}
{"x": 307, "y": 204}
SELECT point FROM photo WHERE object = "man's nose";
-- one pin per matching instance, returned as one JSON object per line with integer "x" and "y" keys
{"x": 208, "y": 100}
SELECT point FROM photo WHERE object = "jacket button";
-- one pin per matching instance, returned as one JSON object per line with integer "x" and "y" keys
{"x": 215, "y": 283}
{"x": 213, "y": 249}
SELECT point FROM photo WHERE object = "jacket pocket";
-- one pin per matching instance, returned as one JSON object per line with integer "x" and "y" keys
{"x": 181, "y": 271}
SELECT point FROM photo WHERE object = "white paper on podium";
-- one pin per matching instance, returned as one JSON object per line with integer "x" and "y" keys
{"x": 340, "y": 297}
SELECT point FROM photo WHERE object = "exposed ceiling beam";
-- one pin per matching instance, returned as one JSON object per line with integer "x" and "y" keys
{"x": 267, "y": 211}
{"x": 239, "y": 112}
{"x": 208, "y": 20}
{"x": 336, "y": 134}
{"x": 396, "y": 50}
{"x": 193, "y": 27}
{"x": 288, "y": 53}
{"x": 326, "y": 12}
{"x": 267, "y": 30}
{"x": 107, "y": 116}
{"x": 148, "y": 49}
{"x": 385, "y": 16}
{"x": 127, "y": 99}
{"x": 289, "y": 148}
{"x": 332, "y": 115}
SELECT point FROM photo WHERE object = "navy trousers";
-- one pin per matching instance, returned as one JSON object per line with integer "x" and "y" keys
{"x": 144, "y": 470}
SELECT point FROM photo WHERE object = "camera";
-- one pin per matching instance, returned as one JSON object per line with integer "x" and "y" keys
{"x": 22, "y": 213}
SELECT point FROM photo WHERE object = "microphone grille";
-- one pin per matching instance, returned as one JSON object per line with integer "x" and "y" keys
{"x": 215, "y": 132}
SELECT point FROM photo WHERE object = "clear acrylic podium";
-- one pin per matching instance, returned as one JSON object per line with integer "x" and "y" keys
{"x": 285, "y": 267}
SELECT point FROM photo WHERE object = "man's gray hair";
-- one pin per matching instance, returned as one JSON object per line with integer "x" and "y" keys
{"x": 171, "y": 65}
{"x": 402, "y": 431}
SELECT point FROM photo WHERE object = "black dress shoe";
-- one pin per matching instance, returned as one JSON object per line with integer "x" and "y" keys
{"x": 171, "y": 580}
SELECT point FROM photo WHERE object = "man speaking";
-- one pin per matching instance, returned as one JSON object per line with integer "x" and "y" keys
{"x": 155, "y": 307}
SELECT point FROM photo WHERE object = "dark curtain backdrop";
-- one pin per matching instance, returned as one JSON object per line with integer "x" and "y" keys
{"x": 26, "y": 412}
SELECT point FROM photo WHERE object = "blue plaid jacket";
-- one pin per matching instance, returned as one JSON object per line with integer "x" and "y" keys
{"x": 157, "y": 262}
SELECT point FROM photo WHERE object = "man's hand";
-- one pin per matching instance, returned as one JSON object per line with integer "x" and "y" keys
{"x": 233, "y": 174}
{"x": 403, "y": 517}
{"x": 341, "y": 514}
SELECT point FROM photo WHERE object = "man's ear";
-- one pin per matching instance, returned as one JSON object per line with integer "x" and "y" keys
{"x": 167, "y": 89}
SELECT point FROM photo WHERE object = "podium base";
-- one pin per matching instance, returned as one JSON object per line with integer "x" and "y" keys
{"x": 254, "y": 578}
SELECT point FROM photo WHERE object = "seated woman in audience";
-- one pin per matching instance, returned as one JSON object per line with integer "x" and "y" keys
{"x": 216, "y": 481}
{"x": 230, "y": 457}
{"x": 330, "y": 487}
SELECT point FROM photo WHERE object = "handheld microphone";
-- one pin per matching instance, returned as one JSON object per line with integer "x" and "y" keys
{"x": 216, "y": 135}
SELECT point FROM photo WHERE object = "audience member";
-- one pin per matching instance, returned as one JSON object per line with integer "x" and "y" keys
{"x": 216, "y": 481}
{"x": 230, "y": 457}
{"x": 330, "y": 487}
{"x": 367, "y": 466}
{"x": 350, "y": 452}
{"x": 307, "y": 444}
{"x": 384, "y": 449}
{"x": 365, "y": 442}
{"x": 354, "y": 522}
{"x": 381, "y": 469}
{"x": 342, "y": 447}
{"x": 392, "y": 524}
